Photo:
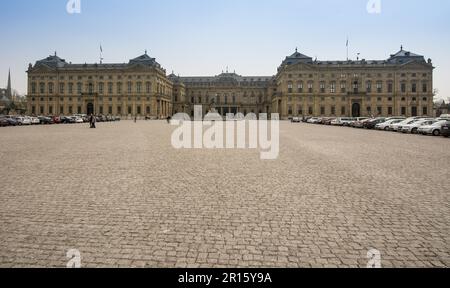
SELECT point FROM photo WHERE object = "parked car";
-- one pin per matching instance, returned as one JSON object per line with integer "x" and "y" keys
{"x": 296, "y": 120}
{"x": 386, "y": 125}
{"x": 313, "y": 120}
{"x": 45, "y": 120}
{"x": 445, "y": 129}
{"x": 4, "y": 122}
{"x": 414, "y": 127}
{"x": 359, "y": 123}
{"x": 371, "y": 123}
{"x": 77, "y": 119}
{"x": 342, "y": 121}
{"x": 35, "y": 121}
{"x": 434, "y": 129}
{"x": 67, "y": 120}
{"x": 395, "y": 127}
{"x": 23, "y": 121}
{"x": 56, "y": 119}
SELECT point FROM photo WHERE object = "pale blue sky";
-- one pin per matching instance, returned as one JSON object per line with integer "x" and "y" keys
{"x": 202, "y": 37}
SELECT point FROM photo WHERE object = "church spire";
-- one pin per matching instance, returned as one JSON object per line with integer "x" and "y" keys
{"x": 8, "y": 88}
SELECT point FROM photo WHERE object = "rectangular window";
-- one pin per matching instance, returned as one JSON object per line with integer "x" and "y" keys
{"x": 343, "y": 110}
{"x": 50, "y": 88}
{"x": 403, "y": 87}
{"x": 70, "y": 88}
{"x": 333, "y": 87}
{"x": 390, "y": 110}
{"x": 148, "y": 87}
{"x": 42, "y": 88}
{"x": 79, "y": 88}
{"x": 414, "y": 88}
{"x": 139, "y": 87}
{"x": 322, "y": 87}
{"x": 403, "y": 110}
{"x": 379, "y": 87}
{"x": 130, "y": 86}
{"x": 424, "y": 88}
{"x": 380, "y": 110}
{"x": 390, "y": 88}
{"x": 61, "y": 88}
{"x": 310, "y": 87}
{"x": 33, "y": 88}
{"x": 425, "y": 110}
{"x": 100, "y": 88}
{"x": 333, "y": 110}
{"x": 300, "y": 88}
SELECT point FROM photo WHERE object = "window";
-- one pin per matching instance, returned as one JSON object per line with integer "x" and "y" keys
{"x": 61, "y": 88}
{"x": 390, "y": 110}
{"x": 61, "y": 109}
{"x": 322, "y": 110}
{"x": 100, "y": 88}
{"x": 343, "y": 110}
{"x": 310, "y": 110}
{"x": 414, "y": 88}
{"x": 119, "y": 88}
{"x": 369, "y": 109}
{"x": 79, "y": 109}
{"x": 130, "y": 86}
{"x": 333, "y": 110}
{"x": 380, "y": 110}
{"x": 70, "y": 88}
{"x": 50, "y": 110}
{"x": 33, "y": 88}
{"x": 355, "y": 87}
{"x": 333, "y": 87}
{"x": 379, "y": 87}
{"x": 139, "y": 87}
{"x": 322, "y": 87}
{"x": 41, "y": 110}
{"x": 390, "y": 87}
{"x": 148, "y": 87}
{"x": 147, "y": 110}
{"x": 310, "y": 87}
{"x": 424, "y": 88}
{"x": 91, "y": 88}
{"x": 79, "y": 88}
{"x": 290, "y": 109}
{"x": 119, "y": 110}
{"x": 425, "y": 110}
{"x": 300, "y": 87}
{"x": 343, "y": 87}
{"x": 403, "y": 87}
{"x": 70, "y": 109}
{"x": 289, "y": 87}
{"x": 50, "y": 88}
{"x": 139, "y": 110}
{"x": 129, "y": 110}
{"x": 403, "y": 110}
{"x": 109, "y": 110}
{"x": 368, "y": 87}
{"x": 300, "y": 110}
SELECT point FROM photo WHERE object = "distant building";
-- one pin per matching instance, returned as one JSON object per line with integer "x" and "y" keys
{"x": 399, "y": 85}
{"x": 442, "y": 108}
{"x": 6, "y": 94}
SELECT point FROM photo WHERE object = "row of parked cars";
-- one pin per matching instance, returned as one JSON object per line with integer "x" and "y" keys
{"x": 413, "y": 125}
{"x": 47, "y": 120}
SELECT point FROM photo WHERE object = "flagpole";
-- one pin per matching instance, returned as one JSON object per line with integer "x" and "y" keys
{"x": 347, "y": 48}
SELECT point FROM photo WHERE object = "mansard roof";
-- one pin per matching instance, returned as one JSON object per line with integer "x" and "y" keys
{"x": 225, "y": 77}
{"x": 55, "y": 62}
{"x": 400, "y": 58}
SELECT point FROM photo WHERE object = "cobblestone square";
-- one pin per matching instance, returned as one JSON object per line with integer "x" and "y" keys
{"x": 123, "y": 197}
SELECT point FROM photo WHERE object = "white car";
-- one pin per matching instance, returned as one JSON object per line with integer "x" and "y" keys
{"x": 78, "y": 120}
{"x": 413, "y": 127}
{"x": 385, "y": 126}
{"x": 23, "y": 121}
{"x": 342, "y": 121}
{"x": 313, "y": 120}
{"x": 434, "y": 129}
{"x": 395, "y": 127}
{"x": 296, "y": 120}
{"x": 35, "y": 121}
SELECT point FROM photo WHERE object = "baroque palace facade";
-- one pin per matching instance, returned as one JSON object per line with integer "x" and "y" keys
{"x": 399, "y": 85}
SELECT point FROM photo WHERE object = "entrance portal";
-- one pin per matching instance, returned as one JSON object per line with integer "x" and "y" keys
{"x": 356, "y": 110}
{"x": 90, "y": 109}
